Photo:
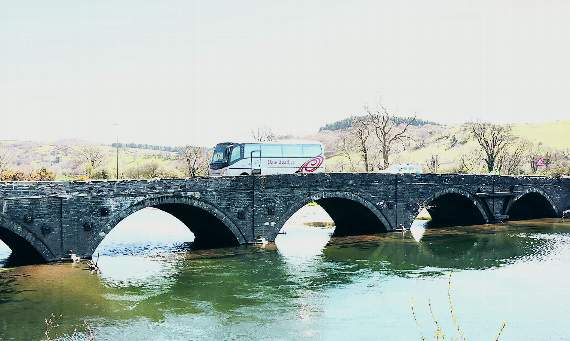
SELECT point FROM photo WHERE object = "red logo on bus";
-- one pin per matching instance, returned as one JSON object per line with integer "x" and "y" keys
{"x": 311, "y": 166}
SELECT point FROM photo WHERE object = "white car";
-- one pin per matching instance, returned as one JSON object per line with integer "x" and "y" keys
{"x": 406, "y": 168}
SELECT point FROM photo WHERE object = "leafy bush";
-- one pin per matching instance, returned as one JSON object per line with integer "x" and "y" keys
{"x": 10, "y": 175}
{"x": 557, "y": 172}
{"x": 43, "y": 174}
{"x": 100, "y": 174}
{"x": 151, "y": 170}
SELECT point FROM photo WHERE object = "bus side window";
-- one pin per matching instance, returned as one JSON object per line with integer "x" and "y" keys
{"x": 236, "y": 154}
{"x": 248, "y": 148}
{"x": 311, "y": 150}
{"x": 292, "y": 150}
{"x": 271, "y": 150}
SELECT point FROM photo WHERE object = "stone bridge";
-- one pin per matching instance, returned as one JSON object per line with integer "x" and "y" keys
{"x": 43, "y": 221}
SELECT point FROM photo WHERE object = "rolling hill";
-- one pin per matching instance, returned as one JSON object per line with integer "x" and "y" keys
{"x": 451, "y": 144}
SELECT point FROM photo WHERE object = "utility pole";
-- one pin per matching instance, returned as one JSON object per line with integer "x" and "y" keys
{"x": 116, "y": 125}
{"x": 117, "y": 158}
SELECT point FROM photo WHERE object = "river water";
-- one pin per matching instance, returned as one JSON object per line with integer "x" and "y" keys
{"x": 306, "y": 286}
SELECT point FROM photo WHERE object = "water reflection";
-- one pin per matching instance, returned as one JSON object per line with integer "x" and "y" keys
{"x": 4, "y": 254}
{"x": 474, "y": 247}
{"x": 308, "y": 285}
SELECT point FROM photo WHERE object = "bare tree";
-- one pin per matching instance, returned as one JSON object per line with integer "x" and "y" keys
{"x": 264, "y": 134}
{"x": 93, "y": 156}
{"x": 464, "y": 166}
{"x": 534, "y": 155}
{"x": 346, "y": 147}
{"x": 493, "y": 139}
{"x": 433, "y": 164}
{"x": 195, "y": 159}
{"x": 361, "y": 131}
{"x": 388, "y": 131}
{"x": 511, "y": 161}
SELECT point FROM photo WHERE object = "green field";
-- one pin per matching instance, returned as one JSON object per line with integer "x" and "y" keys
{"x": 550, "y": 134}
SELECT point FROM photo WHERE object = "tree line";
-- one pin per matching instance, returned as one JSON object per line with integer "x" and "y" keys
{"x": 349, "y": 122}
{"x": 173, "y": 149}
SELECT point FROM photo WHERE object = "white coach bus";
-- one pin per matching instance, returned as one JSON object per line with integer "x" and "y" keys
{"x": 266, "y": 158}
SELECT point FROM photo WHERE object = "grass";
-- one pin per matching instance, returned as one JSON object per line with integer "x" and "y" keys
{"x": 323, "y": 224}
{"x": 423, "y": 215}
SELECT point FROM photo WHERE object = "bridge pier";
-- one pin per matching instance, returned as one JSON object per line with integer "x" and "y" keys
{"x": 496, "y": 202}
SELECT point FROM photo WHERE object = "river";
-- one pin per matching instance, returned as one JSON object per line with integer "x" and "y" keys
{"x": 305, "y": 286}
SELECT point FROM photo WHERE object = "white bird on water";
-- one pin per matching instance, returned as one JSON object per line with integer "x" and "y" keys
{"x": 261, "y": 241}
{"x": 565, "y": 214}
{"x": 402, "y": 229}
{"x": 94, "y": 266}
{"x": 75, "y": 258}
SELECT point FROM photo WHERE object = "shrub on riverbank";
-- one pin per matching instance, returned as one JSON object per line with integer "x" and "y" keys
{"x": 322, "y": 224}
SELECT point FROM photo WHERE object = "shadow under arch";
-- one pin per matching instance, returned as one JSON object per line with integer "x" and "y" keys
{"x": 26, "y": 247}
{"x": 210, "y": 226}
{"x": 455, "y": 207}
{"x": 532, "y": 203}
{"x": 352, "y": 215}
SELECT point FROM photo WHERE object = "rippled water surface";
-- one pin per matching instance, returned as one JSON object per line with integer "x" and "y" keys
{"x": 304, "y": 287}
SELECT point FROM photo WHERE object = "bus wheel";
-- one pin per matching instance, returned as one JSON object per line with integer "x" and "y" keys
{"x": 244, "y": 174}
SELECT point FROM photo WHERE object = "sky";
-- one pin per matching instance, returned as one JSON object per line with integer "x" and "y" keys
{"x": 200, "y": 72}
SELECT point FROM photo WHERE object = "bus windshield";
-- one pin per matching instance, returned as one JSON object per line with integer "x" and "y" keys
{"x": 220, "y": 154}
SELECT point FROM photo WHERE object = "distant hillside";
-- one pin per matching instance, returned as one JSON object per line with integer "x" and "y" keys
{"x": 551, "y": 134}
{"x": 347, "y": 123}
{"x": 68, "y": 159}
{"x": 451, "y": 145}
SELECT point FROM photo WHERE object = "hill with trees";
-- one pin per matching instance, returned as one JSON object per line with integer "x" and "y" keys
{"x": 370, "y": 142}
{"x": 474, "y": 147}
{"x": 79, "y": 160}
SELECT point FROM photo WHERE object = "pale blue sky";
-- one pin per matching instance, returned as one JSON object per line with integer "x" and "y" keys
{"x": 177, "y": 72}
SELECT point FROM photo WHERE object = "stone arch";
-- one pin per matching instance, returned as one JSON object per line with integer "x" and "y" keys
{"x": 190, "y": 211}
{"x": 353, "y": 208}
{"x": 468, "y": 209}
{"x": 25, "y": 245}
{"x": 531, "y": 203}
